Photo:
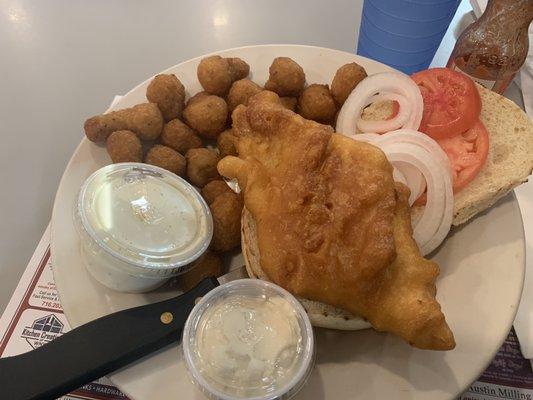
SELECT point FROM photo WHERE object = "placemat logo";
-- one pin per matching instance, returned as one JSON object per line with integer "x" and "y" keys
{"x": 42, "y": 331}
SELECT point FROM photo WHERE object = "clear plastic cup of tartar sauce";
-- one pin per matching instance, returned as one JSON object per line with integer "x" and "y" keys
{"x": 139, "y": 225}
{"x": 248, "y": 339}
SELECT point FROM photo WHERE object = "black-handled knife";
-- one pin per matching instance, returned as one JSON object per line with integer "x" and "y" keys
{"x": 100, "y": 347}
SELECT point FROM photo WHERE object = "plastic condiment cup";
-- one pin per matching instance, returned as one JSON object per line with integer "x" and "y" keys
{"x": 139, "y": 225}
{"x": 253, "y": 288}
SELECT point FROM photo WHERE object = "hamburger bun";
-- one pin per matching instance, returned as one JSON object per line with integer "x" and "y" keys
{"x": 510, "y": 158}
{"x": 321, "y": 315}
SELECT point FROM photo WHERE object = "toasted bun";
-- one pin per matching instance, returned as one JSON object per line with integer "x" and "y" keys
{"x": 509, "y": 163}
{"x": 510, "y": 159}
{"x": 320, "y": 314}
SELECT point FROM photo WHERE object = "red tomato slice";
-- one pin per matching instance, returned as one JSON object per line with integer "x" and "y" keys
{"x": 451, "y": 102}
{"x": 467, "y": 153}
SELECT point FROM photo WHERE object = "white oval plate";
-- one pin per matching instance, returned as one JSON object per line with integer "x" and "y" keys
{"x": 479, "y": 287}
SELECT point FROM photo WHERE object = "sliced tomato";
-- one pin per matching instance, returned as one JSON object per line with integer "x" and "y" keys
{"x": 451, "y": 102}
{"x": 467, "y": 153}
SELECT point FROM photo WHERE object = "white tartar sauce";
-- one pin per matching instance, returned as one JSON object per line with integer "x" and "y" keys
{"x": 139, "y": 225}
{"x": 248, "y": 346}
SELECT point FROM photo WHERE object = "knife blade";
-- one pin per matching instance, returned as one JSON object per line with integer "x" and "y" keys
{"x": 101, "y": 346}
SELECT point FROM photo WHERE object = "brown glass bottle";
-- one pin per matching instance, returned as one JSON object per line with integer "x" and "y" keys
{"x": 492, "y": 49}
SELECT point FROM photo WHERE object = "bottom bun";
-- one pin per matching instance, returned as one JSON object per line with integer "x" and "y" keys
{"x": 321, "y": 314}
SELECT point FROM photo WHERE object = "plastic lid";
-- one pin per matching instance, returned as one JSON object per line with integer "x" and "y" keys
{"x": 219, "y": 298}
{"x": 145, "y": 215}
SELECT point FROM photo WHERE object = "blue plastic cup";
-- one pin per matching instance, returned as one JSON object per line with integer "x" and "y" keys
{"x": 390, "y": 60}
{"x": 416, "y": 10}
{"x": 389, "y": 55}
{"x": 411, "y": 44}
{"x": 404, "y": 34}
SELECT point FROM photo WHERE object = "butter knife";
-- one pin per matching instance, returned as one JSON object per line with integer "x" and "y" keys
{"x": 100, "y": 347}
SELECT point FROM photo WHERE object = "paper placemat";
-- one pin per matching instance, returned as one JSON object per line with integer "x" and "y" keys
{"x": 34, "y": 317}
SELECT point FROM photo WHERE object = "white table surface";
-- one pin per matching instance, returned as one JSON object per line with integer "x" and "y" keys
{"x": 62, "y": 61}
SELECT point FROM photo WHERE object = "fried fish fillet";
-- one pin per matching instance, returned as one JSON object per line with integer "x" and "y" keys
{"x": 331, "y": 224}
{"x": 405, "y": 304}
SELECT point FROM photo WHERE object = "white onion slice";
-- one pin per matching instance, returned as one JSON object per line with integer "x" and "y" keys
{"x": 385, "y": 82}
{"x": 423, "y": 164}
{"x": 371, "y": 138}
{"x": 397, "y": 122}
{"x": 398, "y": 176}
{"x": 414, "y": 178}
{"x": 420, "y": 139}
{"x": 437, "y": 215}
{"x": 233, "y": 185}
{"x": 402, "y": 172}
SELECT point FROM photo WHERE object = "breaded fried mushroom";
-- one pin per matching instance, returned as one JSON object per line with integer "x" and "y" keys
{"x": 226, "y": 143}
{"x": 214, "y": 189}
{"x": 206, "y": 114}
{"x": 145, "y": 120}
{"x": 316, "y": 103}
{"x": 168, "y": 93}
{"x": 216, "y": 74}
{"x": 264, "y": 96}
{"x": 286, "y": 77}
{"x": 196, "y": 97}
{"x": 289, "y": 102}
{"x": 345, "y": 80}
{"x": 209, "y": 264}
{"x": 179, "y": 137}
{"x": 240, "y": 92}
{"x": 124, "y": 146}
{"x": 202, "y": 166}
{"x": 226, "y": 211}
{"x": 167, "y": 158}
{"x": 238, "y": 67}
{"x": 272, "y": 97}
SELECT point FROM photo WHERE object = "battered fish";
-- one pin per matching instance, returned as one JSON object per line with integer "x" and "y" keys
{"x": 331, "y": 224}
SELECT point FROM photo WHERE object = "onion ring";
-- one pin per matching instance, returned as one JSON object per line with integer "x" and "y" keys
{"x": 385, "y": 82}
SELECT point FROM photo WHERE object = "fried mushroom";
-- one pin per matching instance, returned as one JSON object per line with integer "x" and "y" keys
{"x": 167, "y": 91}
{"x": 167, "y": 158}
{"x": 214, "y": 189}
{"x": 289, "y": 102}
{"x": 240, "y": 92}
{"x": 209, "y": 264}
{"x": 345, "y": 80}
{"x": 145, "y": 120}
{"x": 316, "y": 103}
{"x": 124, "y": 146}
{"x": 216, "y": 74}
{"x": 179, "y": 137}
{"x": 202, "y": 166}
{"x": 286, "y": 77}
{"x": 206, "y": 114}
{"x": 226, "y": 211}
{"x": 226, "y": 143}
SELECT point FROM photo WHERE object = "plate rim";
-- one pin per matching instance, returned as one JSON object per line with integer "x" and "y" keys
{"x": 112, "y": 107}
